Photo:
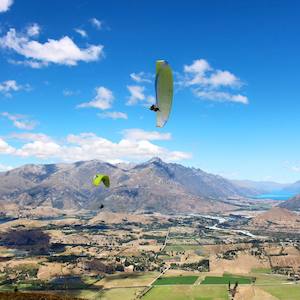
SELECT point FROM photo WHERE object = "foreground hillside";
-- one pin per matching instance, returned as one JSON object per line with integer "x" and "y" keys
{"x": 150, "y": 186}
{"x": 292, "y": 204}
{"x": 32, "y": 296}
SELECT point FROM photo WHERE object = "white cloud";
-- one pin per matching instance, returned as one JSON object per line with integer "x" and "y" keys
{"x": 103, "y": 99}
{"x": 221, "y": 96}
{"x": 212, "y": 84}
{"x": 199, "y": 66}
{"x": 5, "y": 148}
{"x": 201, "y": 73}
{"x": 63, "y": 51}
{"x": 113, "y": 115}
{"x": 223, "y": 78}
{"x": 81, "y": 32}
{"x": 9, "y": 86}
{"x": 140, "y": 134}
{"x": 96, "y": 23}
{"x": 136, "y": 94}
{"x": 141, "y": 77}
{"x": 33, "y": 30}
{"x": 39, "y": 149}
{"x": 5, "y": 5}
{"x": 4, "y": 168}
{"x": 20, "y": 121}
{"x": 86, "y": 146}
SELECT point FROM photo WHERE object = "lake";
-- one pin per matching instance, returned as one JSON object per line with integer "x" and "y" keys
{"x": 6, "y": 219}
{"x": 274, "y": 196}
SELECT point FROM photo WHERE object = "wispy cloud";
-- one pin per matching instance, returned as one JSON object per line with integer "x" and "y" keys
{"x": 5, "y": 5}
{"x": 33, "y": 30}
{"x": 69, "y": 93}
{"x": 221, "y": 96}
{"x": 103, "y": 99}
{"x": 141, "y": 77}
{"x": 96, "y": 23}
{"x": 20, "y": 121}
{"x": 9, "y": 86}
{"x": 63, "y": 51}
{"x": 31, "y": 137}
{"x": 292, "y": 166}
{"x": 113, "y": 115}
{"x": 137, "y": 95}
{"x": 81, "y": 32}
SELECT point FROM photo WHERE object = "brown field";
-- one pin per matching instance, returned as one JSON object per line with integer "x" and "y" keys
{"x": 127, "y": 280}
{"x": 243, "y": 264}
{"x": 253, "y": 293}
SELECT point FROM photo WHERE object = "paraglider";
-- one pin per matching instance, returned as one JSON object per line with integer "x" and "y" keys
{"x": 101, "y": 178}
{"x": 164, "y": 92}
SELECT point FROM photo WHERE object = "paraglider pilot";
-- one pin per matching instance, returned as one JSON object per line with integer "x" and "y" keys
{"x": 154, "y": 107}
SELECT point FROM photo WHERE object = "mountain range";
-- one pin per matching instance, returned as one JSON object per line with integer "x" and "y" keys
{"x": 153, "y": 186}
{"x": 150, "y": 186}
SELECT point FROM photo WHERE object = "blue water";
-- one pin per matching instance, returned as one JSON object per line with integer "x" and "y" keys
{"x": 4, "y": 220}
{"x": 274, "y": 196}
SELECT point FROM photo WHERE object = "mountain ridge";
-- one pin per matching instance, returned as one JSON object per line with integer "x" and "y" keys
{"x": 153, "y": 185}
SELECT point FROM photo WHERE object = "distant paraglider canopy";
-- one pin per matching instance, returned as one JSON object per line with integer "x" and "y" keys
{"x": 164, "y": 92}
{"x": 101, "y": 178}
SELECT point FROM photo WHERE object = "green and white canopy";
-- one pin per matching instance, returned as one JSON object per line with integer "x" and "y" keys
{"x": 164, "y": 92}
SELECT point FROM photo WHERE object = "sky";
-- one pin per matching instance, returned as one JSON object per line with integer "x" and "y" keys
{"x": 77, "y": 79}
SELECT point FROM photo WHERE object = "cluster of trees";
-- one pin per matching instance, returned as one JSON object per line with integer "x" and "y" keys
{"x": 201, "y": 266}
{"x": 35, "y": 241}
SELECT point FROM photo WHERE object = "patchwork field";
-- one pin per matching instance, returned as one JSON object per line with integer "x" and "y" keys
{"x": 176, "y": 280}
{"x": 199, "y": 292}
{"x": 127, "y": 280}
{"x": 283, "y": 292}
{"x": 225, "y": 279}
{"x": 123, "y": 261}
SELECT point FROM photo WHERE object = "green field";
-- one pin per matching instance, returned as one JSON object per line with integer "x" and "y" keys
{"x": 261, "y": 270}
{"x": 273, "y": 279}
{"x": 199, "y": 292}
{"x": 176, "y": 280}
{"x": 225, "y": 279}
{"x": 182, "y": 247}
{"x": 283, "y": 292}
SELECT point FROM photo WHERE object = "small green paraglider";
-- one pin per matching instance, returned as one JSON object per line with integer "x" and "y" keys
{"x": 101, "y": 178}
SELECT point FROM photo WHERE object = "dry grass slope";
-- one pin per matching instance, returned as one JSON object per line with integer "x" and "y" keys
{"x": 32, "y": 296}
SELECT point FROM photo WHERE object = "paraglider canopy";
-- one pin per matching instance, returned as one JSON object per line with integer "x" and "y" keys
{"x": 99, "y": 178}
{"x": 164, "y": 92}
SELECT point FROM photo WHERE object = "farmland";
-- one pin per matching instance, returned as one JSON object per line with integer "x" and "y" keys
{"x": 176, "y": 280}
{"x": 149, "y": 260}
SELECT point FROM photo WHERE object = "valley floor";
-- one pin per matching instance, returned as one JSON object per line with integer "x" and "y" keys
{"x": 120, "y": 256}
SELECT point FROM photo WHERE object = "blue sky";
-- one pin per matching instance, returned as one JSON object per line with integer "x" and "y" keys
{"x": 77, "y": 77}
